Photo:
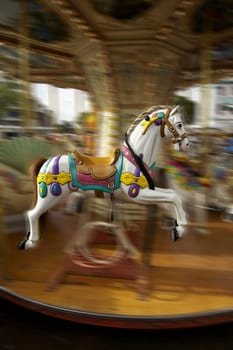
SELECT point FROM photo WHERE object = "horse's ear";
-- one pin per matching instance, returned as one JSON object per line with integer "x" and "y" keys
{"x": 174, "y": 110}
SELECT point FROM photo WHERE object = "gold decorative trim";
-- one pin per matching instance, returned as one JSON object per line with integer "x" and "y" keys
{"x": 129, "y": 179}
{"x": 62, "y": 178}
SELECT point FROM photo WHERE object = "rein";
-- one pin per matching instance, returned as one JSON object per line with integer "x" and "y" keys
{"x": 140, "y": 164}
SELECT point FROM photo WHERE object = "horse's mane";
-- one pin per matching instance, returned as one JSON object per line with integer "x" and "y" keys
{"x": 142, "y": 115}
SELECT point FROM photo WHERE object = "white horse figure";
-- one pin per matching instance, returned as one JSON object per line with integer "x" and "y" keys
{"x": 127, "y": 172}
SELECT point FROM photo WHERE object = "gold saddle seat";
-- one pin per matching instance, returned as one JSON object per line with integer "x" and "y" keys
{"x": 98, "y": 161}
{"x": 99, "y": 168}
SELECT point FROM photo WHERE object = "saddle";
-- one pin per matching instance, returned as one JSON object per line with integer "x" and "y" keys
{"x": 100, "y": 168}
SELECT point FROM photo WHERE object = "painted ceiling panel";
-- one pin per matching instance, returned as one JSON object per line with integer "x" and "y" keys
{"x": 43, "y": 24}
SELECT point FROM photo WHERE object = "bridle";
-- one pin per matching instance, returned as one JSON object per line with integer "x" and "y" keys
{"x": 177, "y": 138}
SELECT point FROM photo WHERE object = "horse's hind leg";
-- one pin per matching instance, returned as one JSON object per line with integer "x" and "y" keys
{"x": 33, "y": 216}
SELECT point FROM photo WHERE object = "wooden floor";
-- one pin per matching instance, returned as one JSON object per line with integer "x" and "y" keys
{"x": 190, "y": 280}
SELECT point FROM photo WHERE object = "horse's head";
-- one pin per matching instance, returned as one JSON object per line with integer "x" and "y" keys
{"x": 145, "y": 134}
{"x": 163, "y": 121}
{"x": 172, "y": 127}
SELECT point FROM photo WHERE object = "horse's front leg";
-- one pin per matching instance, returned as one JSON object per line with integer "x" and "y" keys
{"x": 166, "y": 196}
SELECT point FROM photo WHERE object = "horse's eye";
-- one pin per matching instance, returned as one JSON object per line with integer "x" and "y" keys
{"x": 180, "y": 126}
{"x": 147, "y": 118}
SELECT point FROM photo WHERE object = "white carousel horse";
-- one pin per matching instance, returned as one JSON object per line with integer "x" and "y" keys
{"x": 126, "y": 173}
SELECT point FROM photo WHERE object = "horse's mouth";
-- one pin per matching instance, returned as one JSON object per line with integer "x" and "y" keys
{"x": 183, "y": 146}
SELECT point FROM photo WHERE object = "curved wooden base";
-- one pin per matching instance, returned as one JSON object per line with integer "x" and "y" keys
{"x": 121, "y": 321}
{"x": 191, "y": 280}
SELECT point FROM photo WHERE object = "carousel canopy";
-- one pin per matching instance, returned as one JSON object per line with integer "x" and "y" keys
{"x": 126, "y": 54}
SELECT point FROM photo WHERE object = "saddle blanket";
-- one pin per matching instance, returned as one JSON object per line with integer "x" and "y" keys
{"x": 87, "y": 182}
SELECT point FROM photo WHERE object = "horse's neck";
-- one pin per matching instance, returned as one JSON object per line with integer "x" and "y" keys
{"x": 148, "y": 150}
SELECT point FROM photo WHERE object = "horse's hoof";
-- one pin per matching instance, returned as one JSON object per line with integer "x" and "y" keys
{"x": 27, "y": 244}
{"x": 22, "y": 244}
{"x": 174, "y": 234}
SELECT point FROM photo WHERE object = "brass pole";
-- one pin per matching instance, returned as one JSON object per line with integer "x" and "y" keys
{"x": 206, "y": 76}
{"x": 24, "y": 65}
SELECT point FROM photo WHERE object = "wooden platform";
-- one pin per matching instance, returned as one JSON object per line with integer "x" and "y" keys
{"x": 190, "y": 280}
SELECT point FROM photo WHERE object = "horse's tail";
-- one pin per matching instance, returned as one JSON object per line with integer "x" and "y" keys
{"x": 34, "y": 171}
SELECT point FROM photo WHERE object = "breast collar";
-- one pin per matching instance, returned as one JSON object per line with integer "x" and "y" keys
{"x": 129, "y": 154}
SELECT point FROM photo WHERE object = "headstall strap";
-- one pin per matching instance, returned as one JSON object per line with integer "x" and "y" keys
{"x": 165, "y": 121}
{"x": 140, "y": 164}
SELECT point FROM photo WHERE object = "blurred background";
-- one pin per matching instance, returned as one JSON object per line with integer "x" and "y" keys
{"x": 73, "y": 75}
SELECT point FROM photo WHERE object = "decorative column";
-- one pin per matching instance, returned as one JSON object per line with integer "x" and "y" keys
{"x": 200, "y": 197}
{"x": 205, "y": 61}
{"x": 109, "y": 133}
{"x": 24, "y": 66}
{"x": 90, "y": 128}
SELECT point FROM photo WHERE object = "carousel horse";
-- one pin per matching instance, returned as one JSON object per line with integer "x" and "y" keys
{"x": 127, "y": 172}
